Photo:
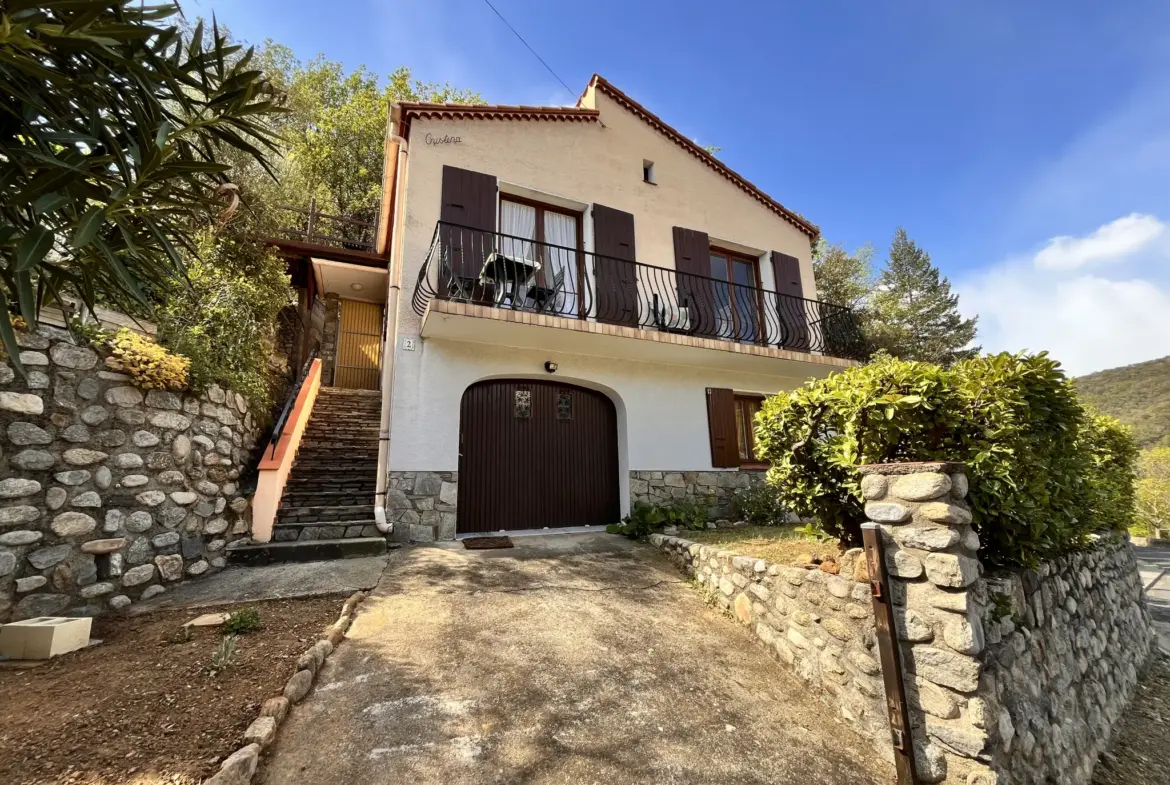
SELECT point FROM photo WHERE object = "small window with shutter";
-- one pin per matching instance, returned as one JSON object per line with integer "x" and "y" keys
{"x": 731, "y": 425}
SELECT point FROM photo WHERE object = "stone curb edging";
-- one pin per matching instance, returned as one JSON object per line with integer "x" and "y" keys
{"x": 239, "y": 767}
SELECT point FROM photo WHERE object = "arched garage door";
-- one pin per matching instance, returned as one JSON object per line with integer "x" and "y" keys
{"x": 535, "y": 454}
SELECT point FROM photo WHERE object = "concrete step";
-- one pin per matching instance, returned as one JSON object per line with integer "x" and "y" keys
{"x": 324, "y": 530}
{"x": 302, "y": 551}
{"x": 312, "y": 514}
{"x": 337, "y": 487}
{"x": 328, "y": 498}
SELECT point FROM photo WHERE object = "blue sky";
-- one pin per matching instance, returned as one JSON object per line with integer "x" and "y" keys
{"x": 1025, "y": 145}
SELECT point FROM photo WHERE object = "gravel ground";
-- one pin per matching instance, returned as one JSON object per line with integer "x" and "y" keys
{"x": 1141, "y": 747}
{"x": 142, "y": 707}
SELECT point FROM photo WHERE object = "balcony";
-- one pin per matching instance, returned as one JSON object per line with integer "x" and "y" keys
{"x": 500, "y": 277}
{"x": 312, "y": 233}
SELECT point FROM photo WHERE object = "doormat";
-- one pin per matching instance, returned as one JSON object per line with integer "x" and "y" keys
{"x": 486, "y": 543}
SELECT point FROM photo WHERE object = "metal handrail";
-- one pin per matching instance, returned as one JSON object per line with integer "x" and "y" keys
{"x": 281, "y": 421}
{"x": 500, "y": 270}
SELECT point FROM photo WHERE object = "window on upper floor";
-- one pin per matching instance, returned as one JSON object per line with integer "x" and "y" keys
{"x": 648, "y": 172}
{"x": 542, "y": 241}
{"x": 737, "y": 295}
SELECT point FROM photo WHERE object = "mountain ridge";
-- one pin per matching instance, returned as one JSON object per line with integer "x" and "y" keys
{"x": 1138, "y": 395}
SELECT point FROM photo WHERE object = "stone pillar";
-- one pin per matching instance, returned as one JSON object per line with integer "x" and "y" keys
{"x": 934, "y": 582}
{"x": 329, "y": 332}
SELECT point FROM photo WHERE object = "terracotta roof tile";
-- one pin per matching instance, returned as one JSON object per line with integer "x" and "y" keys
{"x": 493, "y": 112}
{"x": 580, "y": 114}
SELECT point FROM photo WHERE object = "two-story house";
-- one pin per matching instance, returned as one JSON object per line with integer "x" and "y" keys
{"x": 584, "y": 309}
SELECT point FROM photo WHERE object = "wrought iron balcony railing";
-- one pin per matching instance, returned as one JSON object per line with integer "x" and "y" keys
{"x": 505, "y": 271}
{"x": 318, "y": 228}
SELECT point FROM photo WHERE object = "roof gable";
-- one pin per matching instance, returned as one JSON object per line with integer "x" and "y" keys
{"x": 599, "y": 83}
{"x": 403, "y": 113}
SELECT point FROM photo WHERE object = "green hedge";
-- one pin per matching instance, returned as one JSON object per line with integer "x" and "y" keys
{"x": 1044, "y": 470}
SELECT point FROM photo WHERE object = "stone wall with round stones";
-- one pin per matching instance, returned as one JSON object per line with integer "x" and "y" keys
{"x": 818, "y": 625}
{"x": 1011, "y": 678}
{"x": 109, "y": 493}
{"x": 1065, "y": 645}
{"x": 714, "y": 490}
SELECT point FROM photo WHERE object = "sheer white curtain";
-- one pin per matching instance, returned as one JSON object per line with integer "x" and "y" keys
{"x": 561, "y": 230}
{"x": 518, "y": 220}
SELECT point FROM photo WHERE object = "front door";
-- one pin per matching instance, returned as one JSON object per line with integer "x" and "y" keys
{"x": 536, "y": 454}
{"x": 359, "y": 346}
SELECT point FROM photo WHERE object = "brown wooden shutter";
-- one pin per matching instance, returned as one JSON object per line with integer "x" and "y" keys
{"x": 692, "y": 264}
{"x": 468, "y": 202}
{"x": 721, "y": 426}
{"x": 615, "y": 277}
{"x": 786, "y": 270}
{"x": 791, "y": 307}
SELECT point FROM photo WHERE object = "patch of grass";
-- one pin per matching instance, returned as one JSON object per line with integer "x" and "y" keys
{"x": 243, "y": 621}
{"x": 777, "y": 544}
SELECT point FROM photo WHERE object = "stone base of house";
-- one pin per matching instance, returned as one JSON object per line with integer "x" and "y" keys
{"x": 421, "y": 505}
{"x": 714, "y": 490}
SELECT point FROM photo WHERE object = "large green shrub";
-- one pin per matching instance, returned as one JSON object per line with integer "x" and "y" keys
{"x": 1044, "y": 471}
{"x": 224, "y": 316}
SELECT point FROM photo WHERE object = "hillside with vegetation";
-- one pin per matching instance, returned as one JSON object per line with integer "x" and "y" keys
{"x": 1138, "y": 395}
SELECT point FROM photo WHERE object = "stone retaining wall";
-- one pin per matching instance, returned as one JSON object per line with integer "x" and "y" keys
{"x": 818, "y": 625}
{"x": 714, "y": 490}
{"x": 1066, "y": 642}
{"x": 421, "y": 505}
{"x": 1010, "y": 679}
{"x": 110, "y": 493}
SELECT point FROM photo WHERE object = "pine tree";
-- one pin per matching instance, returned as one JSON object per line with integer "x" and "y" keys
{"x": 915, "y": 315}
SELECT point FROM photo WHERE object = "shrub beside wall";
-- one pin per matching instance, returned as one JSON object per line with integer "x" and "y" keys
{"x": 1046, "y": 472}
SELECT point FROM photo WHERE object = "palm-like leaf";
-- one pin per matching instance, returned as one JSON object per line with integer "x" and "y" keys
{"x": 110, "y": 126}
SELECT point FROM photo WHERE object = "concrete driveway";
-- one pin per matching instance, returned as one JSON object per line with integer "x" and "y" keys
{"x": 568, "y": 659}
{"x": 1154, "y": 566}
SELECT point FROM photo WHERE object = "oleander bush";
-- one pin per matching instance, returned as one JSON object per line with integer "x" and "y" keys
{"x": 1045, "y": 470}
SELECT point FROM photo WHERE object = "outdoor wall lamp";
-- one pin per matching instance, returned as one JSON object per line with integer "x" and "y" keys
{"x": 550, "y": 366}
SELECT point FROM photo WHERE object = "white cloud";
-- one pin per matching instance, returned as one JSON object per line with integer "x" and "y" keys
{"x": 1087, "y": 321}
{"x": 1112, "y": 242}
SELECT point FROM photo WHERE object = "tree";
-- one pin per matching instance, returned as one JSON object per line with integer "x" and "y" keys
{"x": 915, "y": 315}
{"x": 223, "y": 317}
{"x": 1153, "y": 492}
{"x": 844, "y": 278}
{"x": 335, "y": 129}
{"x": 111, "y": 136}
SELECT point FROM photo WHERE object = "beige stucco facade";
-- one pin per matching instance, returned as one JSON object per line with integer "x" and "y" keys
{"x": 576, "y": 165}
{"x": 657, "y": 382}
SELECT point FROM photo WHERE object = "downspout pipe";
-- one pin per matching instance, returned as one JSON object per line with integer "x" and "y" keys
{"x": 394, "y": 289}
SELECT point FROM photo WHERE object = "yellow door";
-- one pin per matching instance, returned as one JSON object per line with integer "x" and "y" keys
{"x": 359, "y": 346}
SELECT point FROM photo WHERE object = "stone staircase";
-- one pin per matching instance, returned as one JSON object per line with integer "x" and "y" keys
{"x": 327, "y": 510}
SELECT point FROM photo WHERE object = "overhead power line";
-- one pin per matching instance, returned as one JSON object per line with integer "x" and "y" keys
{"x": 530, "y": 49}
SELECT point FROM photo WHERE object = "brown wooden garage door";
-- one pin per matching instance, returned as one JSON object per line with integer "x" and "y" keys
{"x": 535, "y": 454}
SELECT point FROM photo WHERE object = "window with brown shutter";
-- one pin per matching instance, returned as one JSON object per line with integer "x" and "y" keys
{"x": 721, "y": 427}
{"x": 746, "y": 409}
{"x": 731, "y": 420}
